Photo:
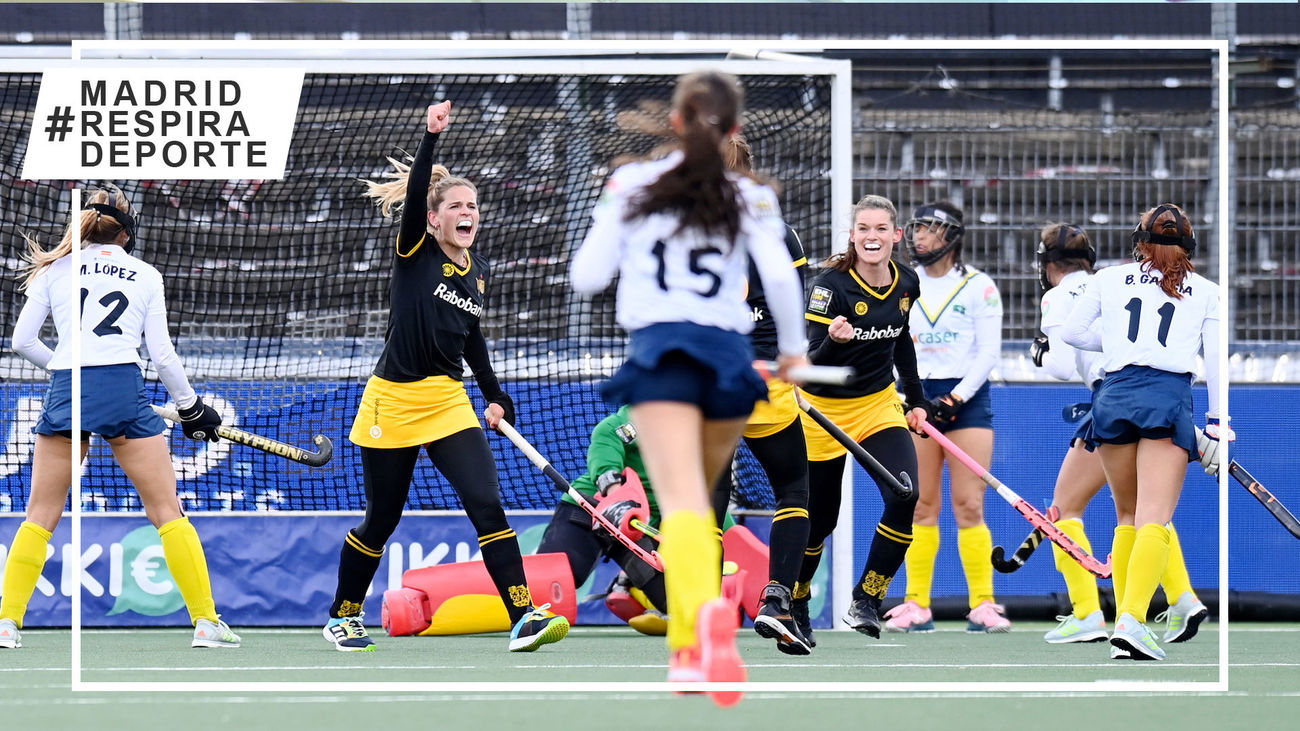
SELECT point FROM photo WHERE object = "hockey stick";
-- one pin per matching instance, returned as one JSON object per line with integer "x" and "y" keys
{"x": 325, "y": 448}
{"x": 1026, "y": 549}
{"x": 1037, "y": 519}
{"x": 651, "y": 558}
{"x": 900, "y": 486}
{"x": 1262, "y": 494}
{"x": 830, "y": 375}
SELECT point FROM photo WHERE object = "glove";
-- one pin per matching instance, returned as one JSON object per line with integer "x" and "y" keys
{"x": 1207, "y": 442}
{"x": 621, "y": 514}
{"x": 608, "y": 480}
{"x": 507, "y": 405}
{"x": 200, "y": 421}
{"x": 943, "y": 410}
{"x": 1074, "y": 413}
{"x": 1038, "y": 348}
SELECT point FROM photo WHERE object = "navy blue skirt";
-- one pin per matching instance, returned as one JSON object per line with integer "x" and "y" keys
{"x": 113, "y": 404}
{"x": 977, "y": 413}
{"x": 688, "y": 363}
{"x": 1139, "y": 402}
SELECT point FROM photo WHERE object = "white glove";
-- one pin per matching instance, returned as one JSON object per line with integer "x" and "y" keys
{"x": 1207, "y": 442}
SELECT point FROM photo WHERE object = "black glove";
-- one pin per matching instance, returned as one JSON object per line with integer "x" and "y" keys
{"x": 200, "y": 421}
{"x": 608, "y": 480}
{"x": 1038, "y": 348}
{"x": 507, "y": 404}
{"x": 943, "y": 410}
{"x": 618, "y": 512}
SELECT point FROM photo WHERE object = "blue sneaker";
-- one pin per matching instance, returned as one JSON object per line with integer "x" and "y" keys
{"x": 538, "y": 627}
{"x": 348, "y": 634}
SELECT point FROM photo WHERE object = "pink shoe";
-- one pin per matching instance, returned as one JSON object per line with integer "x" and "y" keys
{"x": 684, "y": 667}
{"x": 716, "y": 629}
{"x": 988, "y": 617}
{"x": 909, "y": 617}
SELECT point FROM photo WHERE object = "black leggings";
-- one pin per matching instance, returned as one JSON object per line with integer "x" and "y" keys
{"x": 893, "y": 448}
{"x": 464, "y": 458}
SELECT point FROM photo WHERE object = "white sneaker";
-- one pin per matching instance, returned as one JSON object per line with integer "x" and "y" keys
{"x": 1185, "y": 617}
{"x": 1134, "y": 637}
{"x": 10, "y": 637}
{"x": 1072, "y": 629}
{"x": 213, "y": 634}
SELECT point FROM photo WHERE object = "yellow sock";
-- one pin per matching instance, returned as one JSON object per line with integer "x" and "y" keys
{"x": 692, "y": 571}
{"x": 1081, "y": 584}
{"x": 1121, "y": 549}
{"x": 975, "y": 544}
{"x": 920, "y": 563}
{"x": 1175, "y": 580}
{"x": 189, "y": 567}
{"x": 1150, "y": 554}
{"x": 22, "y": 570}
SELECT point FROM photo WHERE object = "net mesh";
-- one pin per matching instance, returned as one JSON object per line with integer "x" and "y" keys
{"x": 277, "y": 290}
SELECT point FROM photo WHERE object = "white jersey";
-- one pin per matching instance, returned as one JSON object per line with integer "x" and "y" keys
{"x": 957, "y": 327}
{"x": 666, "y": 275}
{"x": 121, "y": 303}
{"x": 1141, "y": 325}
{"x": 1062, "y": 360}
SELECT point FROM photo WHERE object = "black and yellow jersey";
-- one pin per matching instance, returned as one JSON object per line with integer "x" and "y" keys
{"x": 763, "y": 336}
{"x": 435, "y": 305}
{"x": 881, "y": 337}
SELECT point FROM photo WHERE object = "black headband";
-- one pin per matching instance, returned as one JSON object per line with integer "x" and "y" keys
{"x": 126, "y": 220}
{"x": 1059, "y": 252}
{"x": 1141, "y": 235}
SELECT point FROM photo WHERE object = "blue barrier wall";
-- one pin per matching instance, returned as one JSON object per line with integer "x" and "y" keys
{"x": 1031, "y": 440}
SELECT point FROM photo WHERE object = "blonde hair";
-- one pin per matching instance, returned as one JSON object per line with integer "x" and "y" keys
{"x": 391, "y": 194}
{"x": 847, "y": 259}
{"x": 92, "y": 227}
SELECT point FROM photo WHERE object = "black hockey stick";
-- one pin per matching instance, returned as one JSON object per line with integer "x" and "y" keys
{"x": 900, "y": 485}
{"x": 1265, "y": 497}
{"x": 325, "y": 448}
{"x": 1027, "y": 547}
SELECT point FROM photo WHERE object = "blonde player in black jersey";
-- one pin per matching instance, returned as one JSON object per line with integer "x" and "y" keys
{"x": 416, "y": 397}
{"x": 858, "y": 316}
{"x": 121, "y": 306}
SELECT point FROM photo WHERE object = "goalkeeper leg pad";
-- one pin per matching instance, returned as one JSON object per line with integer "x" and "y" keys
{"x": 405, "y": 612}
{"x": 750, "y": 554}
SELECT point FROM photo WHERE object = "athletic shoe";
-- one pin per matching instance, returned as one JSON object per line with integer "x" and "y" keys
{"x": 988, "y": 617}
{"x": 213, "y": 634}
{"x": 909, "y": 617}
{"x": 775, "y": 621}
{"x": 1133, "y": 636}
{"x": 348, "y": 634}
{"x": 1185, "y": 617}
{"x": 715, "y": 628}
{"x": 864, "y": 616}
{"x": 650, "y": 622}
{"x": 10, "y": 637}
{"x": 536, "y": 628}
{"x": 684, "y": 667}
{"x": 802, "y": 622}
{"x": 1072, "y": 629}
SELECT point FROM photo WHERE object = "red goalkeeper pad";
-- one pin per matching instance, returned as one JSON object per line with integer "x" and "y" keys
{"x": 740, "y": 545}
{"x": 460, "y": 598}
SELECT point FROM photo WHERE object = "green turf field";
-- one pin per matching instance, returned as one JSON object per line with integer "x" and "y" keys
{"x": 1264, "y": 682}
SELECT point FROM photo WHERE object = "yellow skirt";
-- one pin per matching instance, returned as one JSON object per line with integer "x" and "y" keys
{"x": 776, "y": 413}
{"x": 394, "y": 415}
{"x": 859, "y": 418}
